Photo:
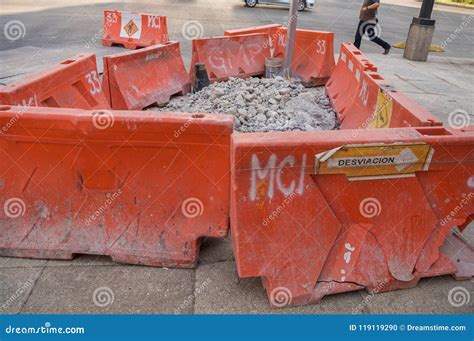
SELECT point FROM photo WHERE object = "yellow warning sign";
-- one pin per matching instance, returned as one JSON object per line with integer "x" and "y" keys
{"x": 383, "y": 111}
{"x": 131, "y": 28}
{"x": 375, "y": 160}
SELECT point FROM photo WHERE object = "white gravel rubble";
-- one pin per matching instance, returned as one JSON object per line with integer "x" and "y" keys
{"x": 262, "y": 104}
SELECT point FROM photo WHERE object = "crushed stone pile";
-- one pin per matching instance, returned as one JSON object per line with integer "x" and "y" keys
{"x": 262, "y": 105}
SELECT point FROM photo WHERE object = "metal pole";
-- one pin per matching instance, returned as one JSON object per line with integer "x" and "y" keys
{"x": 290, "y": 39}
{"x": 426, "y": 9}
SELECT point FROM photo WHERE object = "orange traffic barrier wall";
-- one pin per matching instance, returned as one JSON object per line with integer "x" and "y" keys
{"x": 136, "y": 186}
{"x": 133, "y": 30}
{"x": 313, "y": 54}
{"x": 72, "y": 83}
{"x": 363, "y": 99}
{"x": 317, "y": 213}
{"x": 272, "y": 30}
{"x": 137, "y": 79}
{"x": 233, "y": 56}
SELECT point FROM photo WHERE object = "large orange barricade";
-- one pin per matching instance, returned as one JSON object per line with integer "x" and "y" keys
{"x": 313, "y": 54}
{"x": 363, "y": 99}
{"x": 316, "y": 213}
{"x": 72, "y": 83}
{"x": 137, "y": 186}
{"x": 272, "y": 30}
{"x": 137, "y": 79}
{"x": 233, "y": 56}
{"x": 133, "y": 30}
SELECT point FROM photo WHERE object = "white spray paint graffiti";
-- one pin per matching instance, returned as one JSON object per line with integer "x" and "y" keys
{"x": 218, "y": 58}
{"x": 273, "y": 172}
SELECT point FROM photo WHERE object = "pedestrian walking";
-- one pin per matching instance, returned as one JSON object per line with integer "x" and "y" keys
{"x": 369, "y": 25}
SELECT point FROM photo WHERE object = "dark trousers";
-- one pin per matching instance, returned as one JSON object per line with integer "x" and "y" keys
{"x": 369, "y": 28}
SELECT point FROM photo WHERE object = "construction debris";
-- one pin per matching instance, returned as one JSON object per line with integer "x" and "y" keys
{"x": 262, "y": 104}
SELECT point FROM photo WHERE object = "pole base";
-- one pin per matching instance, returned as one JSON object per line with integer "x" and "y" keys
{"x": 419, "y": 39}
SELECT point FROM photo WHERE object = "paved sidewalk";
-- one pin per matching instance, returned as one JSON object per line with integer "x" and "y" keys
{"x": 90, "y": 284}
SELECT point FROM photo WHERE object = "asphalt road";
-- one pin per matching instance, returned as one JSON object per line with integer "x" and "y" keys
{"x": 51, "y": 24}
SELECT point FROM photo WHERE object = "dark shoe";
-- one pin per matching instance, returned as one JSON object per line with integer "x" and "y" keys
{"x": 386, "y": 51}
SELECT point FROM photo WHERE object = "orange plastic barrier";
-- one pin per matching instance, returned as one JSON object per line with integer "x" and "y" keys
{"x": 73, "y": 83}
{"x": 313, "y": 55}
{"x": 133, "y": 30}
{"x": 363, "y": 99}
{"x": 317, "y": 213}
{"x": 272, "y": 30}
{"x": 137, "y": 79}
{"x": 234, "y": 56}
{"x": 137, "y": 186}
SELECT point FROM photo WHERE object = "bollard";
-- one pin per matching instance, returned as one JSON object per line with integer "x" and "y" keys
{"x": 201, "y": 79}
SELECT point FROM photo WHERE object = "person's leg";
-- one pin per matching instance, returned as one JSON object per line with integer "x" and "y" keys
{"x": 358, "y": 35}
{"x": 373, "y": 33}
{"x": 381, "y": 42}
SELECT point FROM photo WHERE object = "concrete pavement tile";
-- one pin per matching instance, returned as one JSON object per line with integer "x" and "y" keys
{"x": 111, "y": 289}
{"x": 219, "y": 291}
{"x": 429, "y": 297}
{"x": 15, "y": 287}
{"x": 215, "y": 250}
{"x": 10, "y": 262}
{"x": 81, "y": 260}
